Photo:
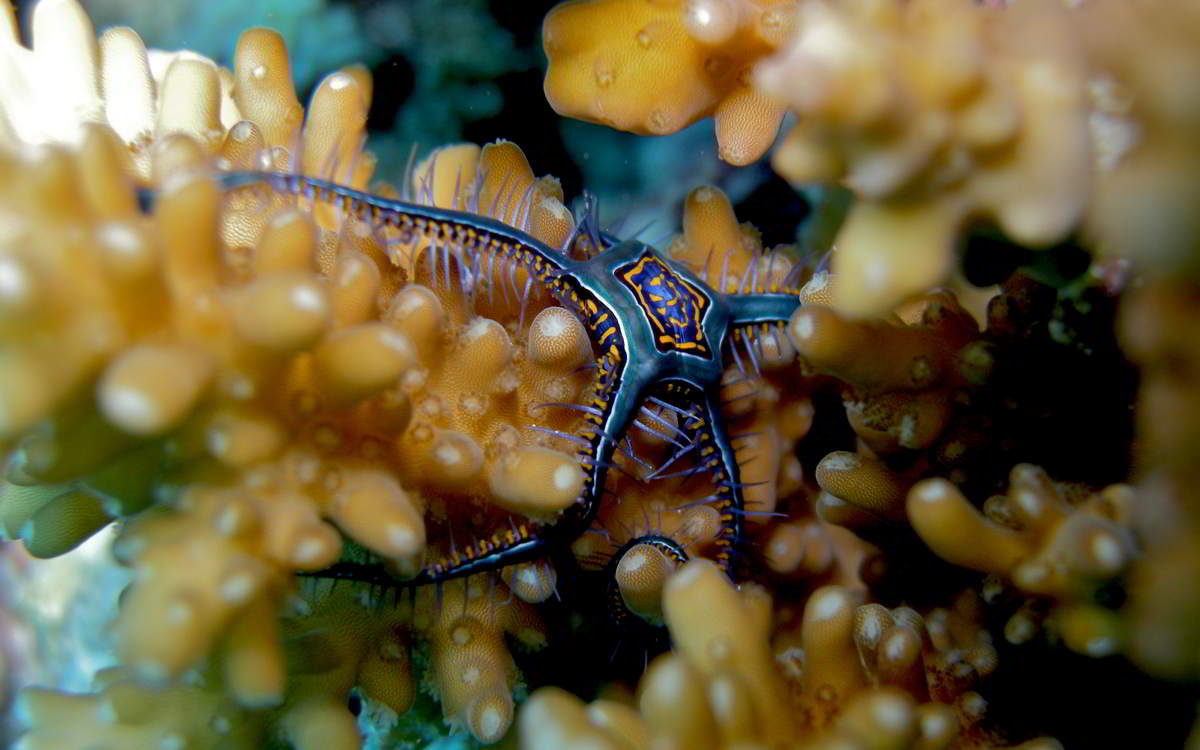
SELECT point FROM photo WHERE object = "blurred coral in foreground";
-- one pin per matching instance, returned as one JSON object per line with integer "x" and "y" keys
{"x": 255, "y": 386}
{"x": 656, "y": 68}
{"x": 1044, "y": 118}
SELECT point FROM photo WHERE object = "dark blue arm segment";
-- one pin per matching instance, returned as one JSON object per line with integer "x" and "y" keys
{"x": 765, "y": 307}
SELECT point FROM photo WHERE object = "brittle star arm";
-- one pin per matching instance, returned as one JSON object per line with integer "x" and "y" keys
{"x": 717, "y": 453}
{"x": 761, "y": 308}
{"x": 469, "y": 236}
{"x": 614, "y": 406}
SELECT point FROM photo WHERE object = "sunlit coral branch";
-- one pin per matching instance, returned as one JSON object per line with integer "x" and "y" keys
{"x": 270, "y": 378}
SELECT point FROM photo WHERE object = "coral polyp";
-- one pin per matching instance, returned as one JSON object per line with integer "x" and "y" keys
{"x": 388, "y": 464}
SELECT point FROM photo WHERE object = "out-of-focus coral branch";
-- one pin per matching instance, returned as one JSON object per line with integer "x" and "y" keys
{"x": 1035, "y": 540}
{"x": 1042, "y": 118}
{"x": 933, "y": 113}
{"x": 1158, "y": 330}
{"x": 654, "y": 68}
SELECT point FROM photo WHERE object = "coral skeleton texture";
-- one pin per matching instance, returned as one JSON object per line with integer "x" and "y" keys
{"x": 946, "y": 508}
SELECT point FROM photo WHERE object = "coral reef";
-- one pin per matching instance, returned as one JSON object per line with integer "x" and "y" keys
{"x": 658, "y": 67}
{"x": 265, "y": 378}
{"x": 855, "y": 676}
{"x": 1143, "y": 118}
{"x": 448, "y": 54}
{"x": 135, "y": 717}
{"x": 1034, "y": 539}
{"x": 938, "y": 115}
{"x": 965, "y": 516}
{"x": 248, "y": 478}
{"x": 933, "y": 113}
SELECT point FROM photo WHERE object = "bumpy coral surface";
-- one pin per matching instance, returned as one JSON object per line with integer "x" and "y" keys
{"x": 854, "y": 676}
{"x": 653, "y": 68}
{"x": 939, "y": 494}
{"x": 270, "y": 376}
{"x": 264, "y": 424}
{"x": 1033, "y": 117}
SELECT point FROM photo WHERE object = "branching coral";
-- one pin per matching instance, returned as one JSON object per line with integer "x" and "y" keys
{"x": 338, "y": 644}
{"x": 259, "y": 384}
{"x": 845, "y": 675}
{"x": 474, "y": 674}
{"x": 263, "y": 469}
{"x": 847, "y": 661}
{"x": 901, "y": 402}
{"x": 655, "y": 68}
{"x": 1032, "y": 116}
{"x": 269, "y": 379}
{"x": 719, "y": 689}
{"x": 208, "y": 28}
{"x": 452, "y": 52}
{"x": 923, "y": 413}
{"x": 1034, "y": 539}
{"x": 278, "y": 436}
{"x": 958, "y": 401}
{"x": 901, "y": 412}
{"x": 933, "y": 112}
{"x": 124, "y": 713}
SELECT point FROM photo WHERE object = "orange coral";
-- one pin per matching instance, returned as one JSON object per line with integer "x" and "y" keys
{"x": 933, "y": 113}
{"x": 125, "y": 713}
{"x": 654, "y": 68}
{"x": 843, "y": 650}
{"x": 277, "y": 378}
{"x": 898, "y": 374}
{"x": 285, "y": 432}
{"x": 1157, "y": 327}
{"x": 474, "y": 674}
{"x": 1038, "y": 542}
{"x": 845, "y": 675}
{"x": 1143, "y": 125}
{"x": 718, "y": 689}
{"x": 251, "y": 377}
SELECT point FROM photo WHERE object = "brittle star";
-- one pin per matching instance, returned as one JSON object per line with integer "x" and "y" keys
{"x": 661, "y": 333}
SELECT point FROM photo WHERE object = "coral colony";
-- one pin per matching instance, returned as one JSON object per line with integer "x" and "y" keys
{"x": 387, "y": 463}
